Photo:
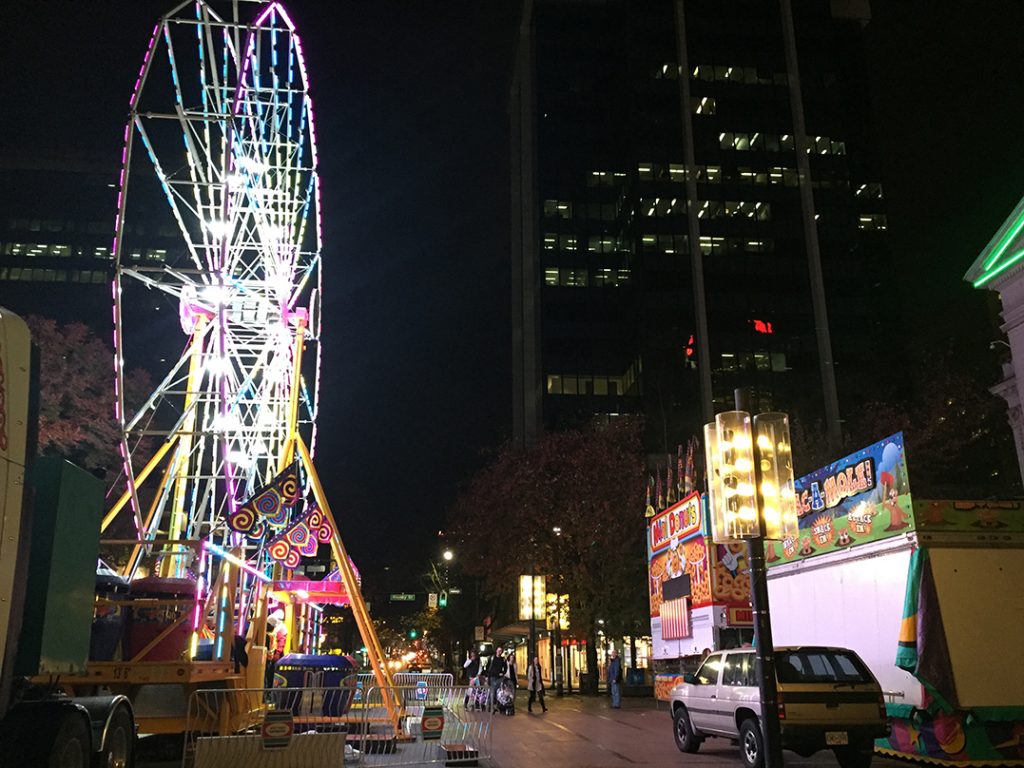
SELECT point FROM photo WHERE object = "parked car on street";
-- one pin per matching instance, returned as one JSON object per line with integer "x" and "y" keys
{"x": 828, "y": 699}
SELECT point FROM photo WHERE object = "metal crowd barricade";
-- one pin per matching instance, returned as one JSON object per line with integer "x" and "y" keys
{"x": 442, "y": 724}
{"x": 270, "y": 728}
{"x": 413, "y": 683}
{"x": 444, "y": 679}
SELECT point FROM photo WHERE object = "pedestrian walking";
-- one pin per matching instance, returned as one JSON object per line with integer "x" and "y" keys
{"x": 535, "y": 685}
{"x": 614, "y": 677}
{"x": 512, "y": 677}
{"x": 495, "y": 673}
{"x": 471, "y": 672}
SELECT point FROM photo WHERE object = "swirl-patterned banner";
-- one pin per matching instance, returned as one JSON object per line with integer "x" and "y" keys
{"x": 302, "y": 539}
{"x": 270, "y": 506}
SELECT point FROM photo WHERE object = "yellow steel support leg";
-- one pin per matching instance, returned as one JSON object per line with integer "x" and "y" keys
{"x": 137, "y": 549}
{"x": 173, "y": 566}
{"x": 288, "y": 453}
{"x": 362, "y": 616}
{"x": 139, "y": 480}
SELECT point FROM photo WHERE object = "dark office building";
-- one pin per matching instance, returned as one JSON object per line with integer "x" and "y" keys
{"x": 618, "y": 205}
{"x": 56, "y": 238}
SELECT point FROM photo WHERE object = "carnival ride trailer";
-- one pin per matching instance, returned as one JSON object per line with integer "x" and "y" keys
{"x": 925, "y": 611}
{"x": 49, "y": 540}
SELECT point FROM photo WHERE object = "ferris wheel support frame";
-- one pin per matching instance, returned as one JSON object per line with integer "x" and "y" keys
{"x": 216, "y": 253}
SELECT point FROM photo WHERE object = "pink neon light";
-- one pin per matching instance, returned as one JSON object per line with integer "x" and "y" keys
{"x": 263, "y": 16}
{"x": 199, "y": 590}
{"x": 145, "y": 60}
{"x": 115, "y": 251}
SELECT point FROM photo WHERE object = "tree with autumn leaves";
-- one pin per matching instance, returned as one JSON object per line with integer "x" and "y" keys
{"x": 76, "y": 395}
{"x": 568, "y": 507}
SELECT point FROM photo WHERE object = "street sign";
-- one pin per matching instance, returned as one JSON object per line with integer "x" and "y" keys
{"x": 432, "y": 600}
{"x": 455, "y": 591}
{"x": 402, "y": 597}
{"x": 478, "y": 633}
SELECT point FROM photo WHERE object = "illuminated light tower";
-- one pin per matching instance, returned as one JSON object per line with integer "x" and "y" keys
{"x": 221, "y": 126}
{"x": 751, "y": 495}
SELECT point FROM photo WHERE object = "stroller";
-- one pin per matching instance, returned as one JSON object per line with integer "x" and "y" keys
{"x": 477, "y": 695}
{"x": 505, "y": 696}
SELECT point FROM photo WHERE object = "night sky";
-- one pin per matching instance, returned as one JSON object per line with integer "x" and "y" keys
{"x": 410, "y": 101}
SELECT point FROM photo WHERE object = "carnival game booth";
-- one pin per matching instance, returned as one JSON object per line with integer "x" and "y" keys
{"x": 929, "y": 595}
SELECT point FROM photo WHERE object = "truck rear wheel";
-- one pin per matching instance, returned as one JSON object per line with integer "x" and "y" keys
{"x": 686, "y": 739}
{"x": 71, "y": 742}
{"x": 120, "y": 739}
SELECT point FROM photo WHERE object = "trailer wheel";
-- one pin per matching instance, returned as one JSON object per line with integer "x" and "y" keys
{"x": 119, "y": 742}
{"x": 71, "y": 742}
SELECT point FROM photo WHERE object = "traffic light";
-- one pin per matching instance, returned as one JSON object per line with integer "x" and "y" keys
{"x": 442, "y": 601}
{"x": 413, "y": 634}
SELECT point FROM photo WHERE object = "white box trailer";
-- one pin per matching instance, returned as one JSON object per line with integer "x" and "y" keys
{"x": 852, "y": 599}
{"x": 965, "y": 704}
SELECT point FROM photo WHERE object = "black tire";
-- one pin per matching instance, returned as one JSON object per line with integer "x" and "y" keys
{"x": 71, "y": 742}
{"x": 119, "y": 747}
{"x": 686, "y": 739}
{"x": 855, "y": 755}
{"x": 751, "y": 744}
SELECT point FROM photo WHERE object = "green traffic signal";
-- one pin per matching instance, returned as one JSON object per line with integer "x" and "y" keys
{"x": 443, "y": 600}
{"x": 413, "y": 634}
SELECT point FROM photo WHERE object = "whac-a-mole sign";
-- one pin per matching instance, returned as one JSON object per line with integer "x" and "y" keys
{"x": 859, "y": 498}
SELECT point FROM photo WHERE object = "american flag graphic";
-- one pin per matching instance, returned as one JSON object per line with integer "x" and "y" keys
{"x": 675, "y": 619}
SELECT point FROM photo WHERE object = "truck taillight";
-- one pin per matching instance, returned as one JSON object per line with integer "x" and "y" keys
{"x": 782, "y": 708}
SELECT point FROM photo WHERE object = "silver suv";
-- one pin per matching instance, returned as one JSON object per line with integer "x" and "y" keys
{"x": 828, "y": 699}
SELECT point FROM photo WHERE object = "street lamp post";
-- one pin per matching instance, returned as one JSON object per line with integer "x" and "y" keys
{"x": 751, "y": 493}
{"x": 557, "y": 662}
{"x": 532, "y": 595}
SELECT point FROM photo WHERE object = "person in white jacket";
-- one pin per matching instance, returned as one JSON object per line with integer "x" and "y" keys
{"x": 535, "y": 685}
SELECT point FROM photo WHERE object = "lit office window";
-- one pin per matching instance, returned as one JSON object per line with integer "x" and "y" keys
{"x": 557, "y": 209}
{"x": 870, "y": 191}
{"x": 872, "y": 221}
{"x": 710, "y": 245}
{"x": 750, "y": 176}
{"x": 666, "y": 71}
{"x": 703, "y": 105}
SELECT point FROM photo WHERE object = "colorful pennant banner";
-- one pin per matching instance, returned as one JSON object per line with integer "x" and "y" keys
{"x": 301, "y": 539}
{"x": 269, "y": 507}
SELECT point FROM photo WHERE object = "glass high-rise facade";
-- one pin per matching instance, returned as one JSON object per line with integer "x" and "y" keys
{"x": 657, "y": 182}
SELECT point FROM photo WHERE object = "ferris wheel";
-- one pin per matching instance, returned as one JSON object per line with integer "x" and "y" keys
{"x": 220, "y": 151}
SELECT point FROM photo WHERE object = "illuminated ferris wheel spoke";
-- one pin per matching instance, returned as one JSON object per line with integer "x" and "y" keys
{"x": 223, "y": 112}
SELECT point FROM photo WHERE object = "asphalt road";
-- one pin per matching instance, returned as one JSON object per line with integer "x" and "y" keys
{"x": 584, "y": 732}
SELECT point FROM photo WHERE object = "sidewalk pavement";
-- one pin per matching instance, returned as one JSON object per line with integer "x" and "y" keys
{"x": 585, "y": 732}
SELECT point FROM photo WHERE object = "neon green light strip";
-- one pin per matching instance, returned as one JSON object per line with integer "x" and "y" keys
{"x": 1004, "y": 243}
{"x": 1002, "y": 268}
